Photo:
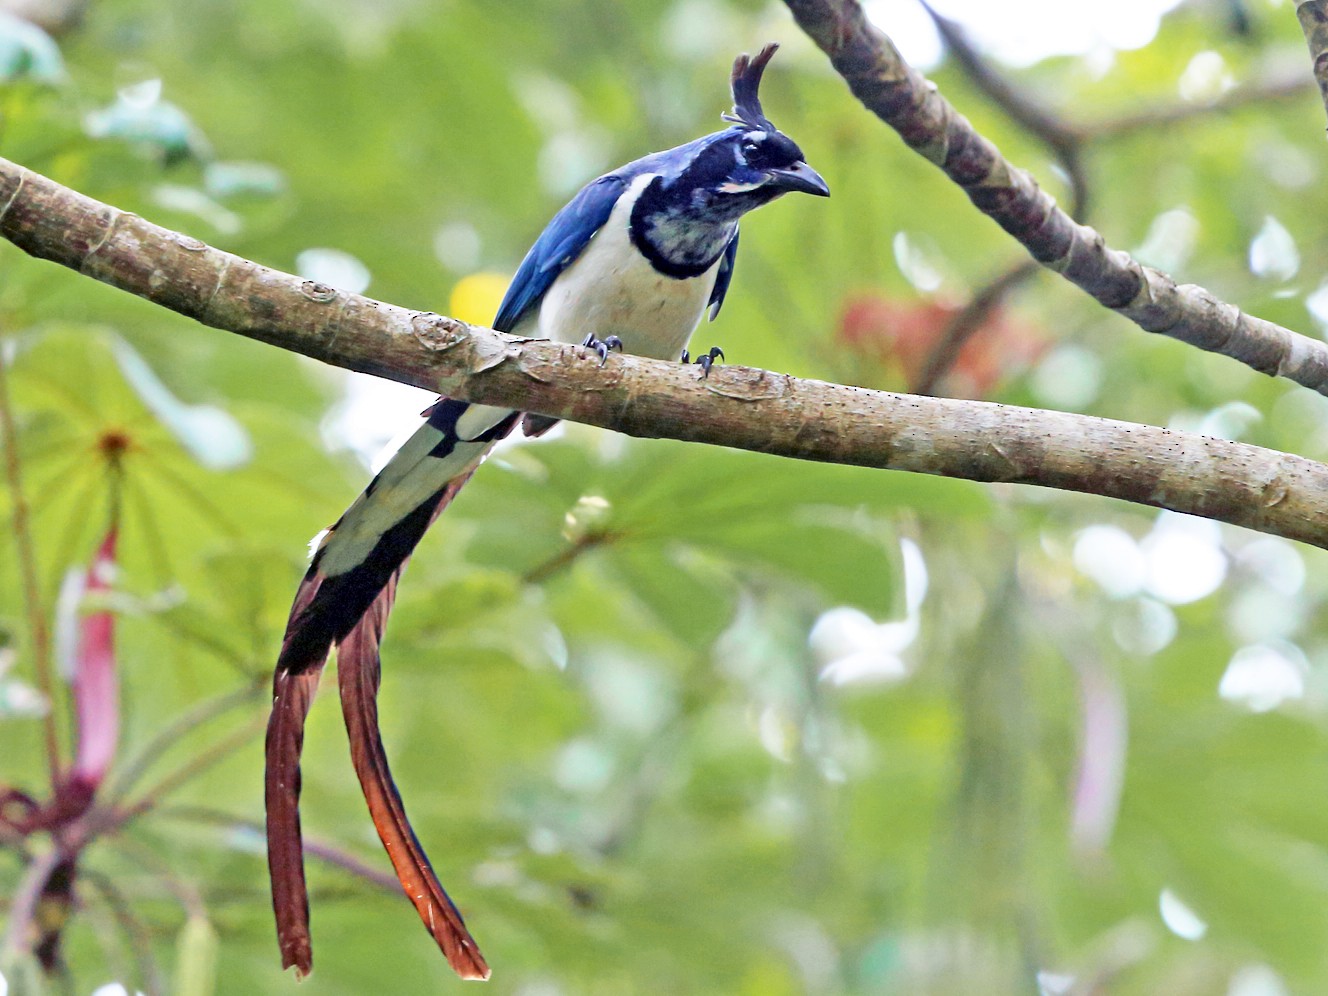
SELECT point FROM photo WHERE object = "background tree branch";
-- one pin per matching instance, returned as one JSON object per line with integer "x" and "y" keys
{"x": 1313, "y": 17}
{"x": 1023, "y": 108}
{"x": 901, "y": 97}
{"x": 739, "y": 407}
{"x": 1278, "y": 84}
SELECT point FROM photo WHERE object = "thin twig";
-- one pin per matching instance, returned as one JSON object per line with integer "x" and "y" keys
{"x": 1273, "y": 88}
{"x": 202, "y": 713}
{"x": 967, "y": 321}
{"x": 1067, "y": 137}
{"x": 24, "y": 904}
{"x": 38, "y": 630}
{"x": 322, "y": 851}
{"x": 1058, "y": 135}
{"x": 140, "y": 938}
{"x": 565, "y": 557}
{"x": 218, "y": 751}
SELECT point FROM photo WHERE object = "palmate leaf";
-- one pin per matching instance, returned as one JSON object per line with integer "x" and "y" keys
{"x": 684, "y": 524}
{"x": 85, "y": 426}
{"x": 206, "y": 556}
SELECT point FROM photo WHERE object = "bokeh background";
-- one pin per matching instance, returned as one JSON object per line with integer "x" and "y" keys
{"x": 673, "y": 719}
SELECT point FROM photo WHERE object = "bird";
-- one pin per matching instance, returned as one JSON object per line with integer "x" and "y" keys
{"x": 632, "y": 263}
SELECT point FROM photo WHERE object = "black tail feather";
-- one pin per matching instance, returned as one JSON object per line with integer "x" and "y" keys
{"x": 347, "y": 609}
{"x": 326, "y": 608}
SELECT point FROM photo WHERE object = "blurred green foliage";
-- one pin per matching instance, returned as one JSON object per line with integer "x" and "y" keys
{"x": 643, "y": 757}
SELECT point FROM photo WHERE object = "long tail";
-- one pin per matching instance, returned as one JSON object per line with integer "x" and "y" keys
{"x": 358, "y": 669}
{"x": 354, "y": 570}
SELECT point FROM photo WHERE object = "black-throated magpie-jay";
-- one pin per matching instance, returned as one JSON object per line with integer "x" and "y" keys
{"x": 632, "y": 262}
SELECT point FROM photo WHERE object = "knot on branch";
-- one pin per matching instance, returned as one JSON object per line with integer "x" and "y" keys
{"x": 749, "y": 384}
{"x": 438, "y": 332}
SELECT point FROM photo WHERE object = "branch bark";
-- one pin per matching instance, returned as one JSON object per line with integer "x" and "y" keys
{"x": 1279, "y": 84}
{"x": 1021, "y": 107}
{"x": 901, "y": 97}
{"x": 738, "y": 407}
{"x": 1313, "y": 17}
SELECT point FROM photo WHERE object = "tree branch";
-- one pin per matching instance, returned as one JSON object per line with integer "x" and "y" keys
{"x": 175, "y": 731}
{"x": 966, "y": 323}
{"x": 1279, "y": 84}
{"x": 739, "y": 407}
{"x": 901, "y": 97}
{"x": 1064, "y": 142}
{"x": 23, "y": 906}
{"x": 1313, "y": 17}
{"x": 135, "y": 931}
{"x": 333, "y": 855}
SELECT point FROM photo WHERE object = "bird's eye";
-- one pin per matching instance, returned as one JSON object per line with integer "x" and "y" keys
{"x": 748, "y": 147}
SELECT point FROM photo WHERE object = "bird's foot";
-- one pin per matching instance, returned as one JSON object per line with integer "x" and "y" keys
{"x": 602, "y": 346}
{"x": 706, "y": 360}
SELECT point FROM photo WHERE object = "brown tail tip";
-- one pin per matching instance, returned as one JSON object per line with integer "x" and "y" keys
{"x": 358, "y": 671}
{"x": 474, "y": 970}
{"x": 298, "y": 954}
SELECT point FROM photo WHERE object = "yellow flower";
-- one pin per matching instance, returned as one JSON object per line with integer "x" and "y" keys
{"x": 475, "y": 298}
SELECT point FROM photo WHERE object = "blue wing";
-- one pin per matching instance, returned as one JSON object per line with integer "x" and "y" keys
{"x": 723, "y": 277}
{"x": 561, "y": 242}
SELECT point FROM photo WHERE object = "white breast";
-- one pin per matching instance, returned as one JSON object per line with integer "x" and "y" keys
{"x": 611, "y": 289}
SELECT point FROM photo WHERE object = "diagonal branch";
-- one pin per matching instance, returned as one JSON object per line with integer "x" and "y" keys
{"x": 22, "y": 929}
{"x": 739, "y": 407}
{"x": 1023, "y": 109}
{"x": 901, "y": 97}
{"x": 1313, "y": 16}
{"x": 966, "y": 323}
{"x": 175, "y": 731}
{"x": 329, "y": 853}
{"x": 1278, "y": 84}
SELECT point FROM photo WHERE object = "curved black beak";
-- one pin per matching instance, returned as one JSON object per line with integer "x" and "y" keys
{"x": 799, "y": 178}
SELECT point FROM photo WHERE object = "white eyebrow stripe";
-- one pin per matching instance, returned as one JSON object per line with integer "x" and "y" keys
{"x": 742, "y": 188}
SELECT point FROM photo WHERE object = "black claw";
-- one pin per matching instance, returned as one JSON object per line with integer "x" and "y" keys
{"x": 602, "y": 346}
{"x": 706, "y": 360}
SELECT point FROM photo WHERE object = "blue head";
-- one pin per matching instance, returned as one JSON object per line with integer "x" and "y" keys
{"x": 685, "y": 217}
{"x": 767, "y": 162}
